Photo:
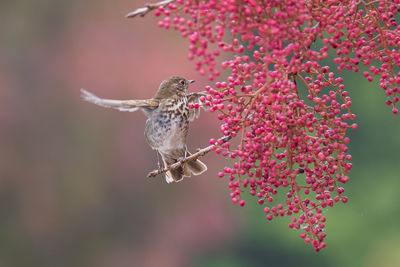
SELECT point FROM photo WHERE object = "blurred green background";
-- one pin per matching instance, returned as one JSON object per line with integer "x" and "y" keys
{"x": 73, "y": 189}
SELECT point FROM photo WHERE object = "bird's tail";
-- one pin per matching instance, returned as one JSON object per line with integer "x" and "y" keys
{"x": 195, "y": 167}
{"x": 122, "y": 105}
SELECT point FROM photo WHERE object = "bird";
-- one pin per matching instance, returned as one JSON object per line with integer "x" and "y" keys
{"x": 168, "y": 116}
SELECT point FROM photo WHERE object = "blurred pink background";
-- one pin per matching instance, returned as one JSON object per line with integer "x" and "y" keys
{"x": 73, "y": 183}
{"x": 73, "y": 186}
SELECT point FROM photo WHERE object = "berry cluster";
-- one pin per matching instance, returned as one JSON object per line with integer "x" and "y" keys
{"x": 289, "y": 112}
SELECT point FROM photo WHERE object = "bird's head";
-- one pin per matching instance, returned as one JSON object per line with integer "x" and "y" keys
{"x": 172, "y": 86}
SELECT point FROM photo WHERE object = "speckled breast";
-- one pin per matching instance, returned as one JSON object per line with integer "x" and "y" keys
{"x": 167, "y": 126}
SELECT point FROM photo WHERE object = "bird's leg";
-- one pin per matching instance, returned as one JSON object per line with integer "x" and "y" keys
{"x": 180, "y": 159}
{"x": 158, "y": 161}
{"x": 186, "y": 151}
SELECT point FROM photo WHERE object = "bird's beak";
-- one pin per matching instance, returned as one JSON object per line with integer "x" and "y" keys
{"x": 191, "y": 81}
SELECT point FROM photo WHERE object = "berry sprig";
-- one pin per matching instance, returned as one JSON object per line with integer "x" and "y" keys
{"x": 286, "y": 111}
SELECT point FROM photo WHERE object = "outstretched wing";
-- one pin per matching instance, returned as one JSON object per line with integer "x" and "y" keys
{"x": 122, "y": 105}
{"x": 194, "y": 98}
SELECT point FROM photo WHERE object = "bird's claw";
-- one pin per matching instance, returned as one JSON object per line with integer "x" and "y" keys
{"x": 180, "y": 160}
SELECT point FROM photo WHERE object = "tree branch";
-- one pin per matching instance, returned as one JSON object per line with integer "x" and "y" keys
{"x": 149, "y": 7}
{"x": 194, "y": 156}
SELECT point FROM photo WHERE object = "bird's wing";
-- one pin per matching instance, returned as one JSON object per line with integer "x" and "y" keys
{"x": 122, "y": 105}
{"x": 194, "y": 98}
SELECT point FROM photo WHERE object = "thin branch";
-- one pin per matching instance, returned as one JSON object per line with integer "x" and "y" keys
{"x": 149, "y": 7}
{"x": 194, "y": 156}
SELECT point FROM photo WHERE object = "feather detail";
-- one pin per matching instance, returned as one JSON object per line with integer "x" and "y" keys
{"x": 121, "y": 105}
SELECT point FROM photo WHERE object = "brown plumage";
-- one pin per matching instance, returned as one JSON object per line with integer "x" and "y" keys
{"x": 168, "y": 117}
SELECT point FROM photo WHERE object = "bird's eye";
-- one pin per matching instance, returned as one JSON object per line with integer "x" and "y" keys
{"x": 182, "y": 82}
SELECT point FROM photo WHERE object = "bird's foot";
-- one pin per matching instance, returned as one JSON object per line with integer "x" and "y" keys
{"x": 180, "y": 160}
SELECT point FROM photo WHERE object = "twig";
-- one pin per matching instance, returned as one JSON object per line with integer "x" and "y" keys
{"x": 194, "y": 156}
{"x": 149, "y": 7}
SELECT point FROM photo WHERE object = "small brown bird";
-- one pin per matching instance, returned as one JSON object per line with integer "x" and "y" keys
{"x": 168, "y": 117}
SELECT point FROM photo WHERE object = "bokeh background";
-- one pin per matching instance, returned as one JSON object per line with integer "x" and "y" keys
{"x": 73, "y": 190}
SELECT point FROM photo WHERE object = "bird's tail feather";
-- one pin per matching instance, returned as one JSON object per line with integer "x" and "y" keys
{"x": 195, "y": 167}
{"x": 175, "y": 175}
